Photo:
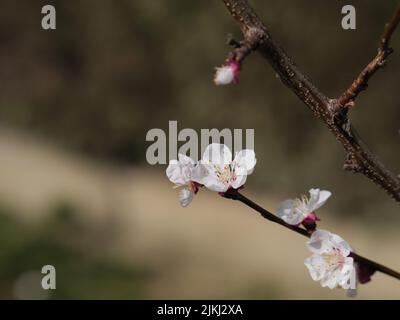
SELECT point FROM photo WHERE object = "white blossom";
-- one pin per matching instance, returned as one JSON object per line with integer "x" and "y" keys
{"x": 182, "y": 172}
{"x": 295, "y": 211}
{"x": 218, "y": 172}
{"x": 227, "y": 74}
{"x": 330, "y": 263}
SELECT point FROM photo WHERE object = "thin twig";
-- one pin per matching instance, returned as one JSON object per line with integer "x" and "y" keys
{"x": 234, "y": 195}
{"x": 389, "y": 29}
{"x": 361, "y": 82}
{"x": 359, "y": 157}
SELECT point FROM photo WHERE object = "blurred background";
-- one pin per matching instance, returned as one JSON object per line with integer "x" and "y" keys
{"x": 76, "y": 191}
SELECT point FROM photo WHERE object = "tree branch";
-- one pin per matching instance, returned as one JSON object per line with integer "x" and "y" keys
{"x": 359, "y": 157}
{"x": 235, "y": 195}
{"x": 361, "y": 82}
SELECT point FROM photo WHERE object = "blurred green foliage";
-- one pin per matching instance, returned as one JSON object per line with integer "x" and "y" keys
{"x": 83, "y": 269}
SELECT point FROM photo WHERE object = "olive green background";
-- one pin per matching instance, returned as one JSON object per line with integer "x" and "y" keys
{"x": 112, "y": 70}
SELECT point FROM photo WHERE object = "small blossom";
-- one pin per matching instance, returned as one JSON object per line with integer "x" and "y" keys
{"x": 182, "y": 172}
{"x": 227, "y": 74}
{"x": 220, "y": 173}
{"x": 330, "y": 263}
{"x": 297, "y": 211}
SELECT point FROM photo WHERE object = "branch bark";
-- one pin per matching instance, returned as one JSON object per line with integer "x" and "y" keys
{"x": 331, "y": 111}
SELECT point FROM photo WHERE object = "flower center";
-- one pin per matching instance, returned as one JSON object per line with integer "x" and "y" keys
{"x": 225, "y": 174}
{"x": 300, "y": 205}
{"x": 334, "y": 258}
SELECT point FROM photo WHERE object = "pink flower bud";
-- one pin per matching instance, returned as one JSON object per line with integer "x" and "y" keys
{"x": 227, "y": 74}
{"x": 310, "y": 222}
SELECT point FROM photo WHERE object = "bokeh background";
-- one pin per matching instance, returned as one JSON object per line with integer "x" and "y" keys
{"x": 76, "y": 191}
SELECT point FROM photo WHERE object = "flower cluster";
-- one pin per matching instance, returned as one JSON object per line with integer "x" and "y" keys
{"x": 331, "y": 263}
{"x": 217, "y": 170}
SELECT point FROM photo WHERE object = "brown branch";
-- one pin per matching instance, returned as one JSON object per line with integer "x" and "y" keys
{"x": 361, "y": 82}
{"x": 389, "y": 29}
{"x": 359, "y": 157}
{"x": 234, "y": 195}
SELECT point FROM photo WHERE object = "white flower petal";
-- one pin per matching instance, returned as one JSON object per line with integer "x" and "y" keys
{"x": 215, "y": 185}
{"x": 185, "y": 197}
{"x": 175, "y": 174}
{"x": 352, "y": 289}
{"x": 317, "y": 199}
{"x": 185, "y": 160}
{"x": 210, "y": 179}
{"x": 343, "y": 276}
{"x": 200, "y": 172}
{"x": 316, "y": 267}
{"x": 320, "y": 242}
{"x": 287, "y": 212}
{"x": 224, "y": 75}
{"x": 217, "y": 154}
{"x": 329, "y": 281}
{"x": 180, "y": 172}
{"x": 244, "y": 162}
{"x": 341, "y": 244}
{"x": 239, "y": 181}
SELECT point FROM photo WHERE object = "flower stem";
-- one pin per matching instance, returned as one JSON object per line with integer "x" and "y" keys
{"x": 235, "y": 195}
